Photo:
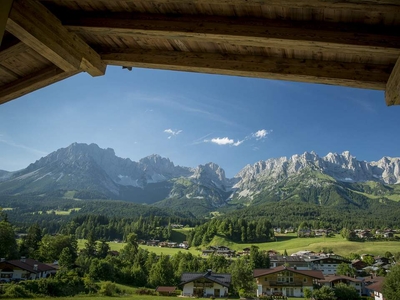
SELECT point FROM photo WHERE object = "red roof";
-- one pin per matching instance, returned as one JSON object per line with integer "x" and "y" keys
{"x": 377, "y": 284}
{"x": 311, "y": 273}
{"x": 166, "y": 289}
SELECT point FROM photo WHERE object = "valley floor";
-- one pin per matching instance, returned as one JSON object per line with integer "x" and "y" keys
{"x": 289, "y": 242}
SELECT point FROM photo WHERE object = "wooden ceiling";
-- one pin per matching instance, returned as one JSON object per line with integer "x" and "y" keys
{"x": 353, "y": 43}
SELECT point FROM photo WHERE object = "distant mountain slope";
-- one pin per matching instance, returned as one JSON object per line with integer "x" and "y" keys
{"x": 98, "y": 173}
{"x": 88, "y": 172}
{"x": 331, "y": 180}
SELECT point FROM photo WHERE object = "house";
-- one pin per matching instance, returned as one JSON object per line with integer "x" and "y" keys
{"x": 221, "y": 251}
{"x": 296, "y": 262}
{"x": 333, "y": 279}
{"x": 184, "y": 245}
{"x": 166, "y": 290}
{"x": 359, "y": 265}
{"x": 285, "y": 281}
{"x": 376, "y": 287}
{"x": 152, "y": 242}
{"x": 327, "y": 264}
{"x": 207, "y": 284}
{"x": 25, "y": 268}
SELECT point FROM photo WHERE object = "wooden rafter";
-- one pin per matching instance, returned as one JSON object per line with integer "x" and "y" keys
{"x": 302, "y": 36}
{"x": 392, "y": 93}
{"x": 32, "y": 82}
{"x": 38, "y": 28}
{"x": 350, "y": 74}
{"x": 12, "y": 50}
{"x": 388, "y": 6}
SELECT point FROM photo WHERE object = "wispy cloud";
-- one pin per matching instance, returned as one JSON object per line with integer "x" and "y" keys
{"x": 186, "y": 104}
{"x": 261, "y": 134}
{"x": 29, "y": 149}
{"x": 224, "y": 141}
{"x": 172, "y": 132}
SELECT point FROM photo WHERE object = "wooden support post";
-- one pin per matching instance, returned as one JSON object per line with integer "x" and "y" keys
{"x": 5, "y": 8}
{"x": 392, "y": 93}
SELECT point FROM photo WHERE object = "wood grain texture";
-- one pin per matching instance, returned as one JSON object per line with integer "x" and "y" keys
{"x": 32, "y": 82}
{"x": 356, "y": 5}
{"x": 13, "y": 50}
{"x": 38, "y": 28}
{"x": 352, "y": 75}
{"x": 392, "y": 93}
{"x": 300, "y": 36}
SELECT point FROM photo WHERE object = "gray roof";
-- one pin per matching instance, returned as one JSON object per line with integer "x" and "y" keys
{"x": 222, "y": 279}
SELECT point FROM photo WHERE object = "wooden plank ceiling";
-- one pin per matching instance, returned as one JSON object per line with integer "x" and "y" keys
{"x": 353, "y": 43}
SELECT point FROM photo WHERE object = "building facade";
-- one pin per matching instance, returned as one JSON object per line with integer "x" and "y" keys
{"x": 285, "y": 281}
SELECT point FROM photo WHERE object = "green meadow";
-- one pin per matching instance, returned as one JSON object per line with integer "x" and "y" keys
{"x": 289, "y": 242}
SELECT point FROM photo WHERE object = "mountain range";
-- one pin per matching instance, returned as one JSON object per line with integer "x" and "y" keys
{"x": 84, "y": 171}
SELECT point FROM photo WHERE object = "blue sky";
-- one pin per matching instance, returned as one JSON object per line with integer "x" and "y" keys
{"x": 197, "y": 118}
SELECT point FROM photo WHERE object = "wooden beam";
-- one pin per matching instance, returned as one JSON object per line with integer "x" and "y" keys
{"x": 392, "y": 93}
{"x": 5, "y": 8}
{"x": 32, "y": 82}
{"x": 9, "y": 72}
{"x": 13, "y": 50}
{"x": 386, "y": 6}
{"x": 350, "y": 39}
{"x": 327, "y": 72}
{"x": 38, "y": 28}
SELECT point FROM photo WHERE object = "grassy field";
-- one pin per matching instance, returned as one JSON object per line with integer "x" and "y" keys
{"x": 135, "y": 297}
{"x": 288, "y": 242}
{"x": 291, "y": 244}
{"x": 156, "y": 250}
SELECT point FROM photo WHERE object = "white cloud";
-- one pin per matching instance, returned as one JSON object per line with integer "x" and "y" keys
{"x": 224, "y": 141}
{"x": 172, "y": 132}
{"x": 238, "y": 143}
{"x": 261, "y": 134}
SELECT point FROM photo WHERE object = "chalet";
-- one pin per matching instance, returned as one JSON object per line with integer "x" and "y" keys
{"x": 327, "y": 264}
{"x": 163, "y": 244}
{"x": 376, "y": 287}
{"x": 184, "y": 245}
{"x": 285, "y": 281}
{"x": 25, "y": 268}
{"x": 296, "y": 262}
{"x": 220, "y": 250}
{"x": 289, "y": 230}
{"x": 207, "y": 284}
{"x": 359, "y": 265}
{"x": 332, "y": 280}
{"x": 152, "y": 242}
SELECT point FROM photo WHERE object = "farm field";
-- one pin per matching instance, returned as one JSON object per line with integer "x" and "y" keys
{"x": 134, "y": 297}
{"x": 288, "y": 242}
{"x": 291, "y": 244}
{"x": 157, "y": 250}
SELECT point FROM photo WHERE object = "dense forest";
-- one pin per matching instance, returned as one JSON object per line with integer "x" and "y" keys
{"x": 237, "y": 230}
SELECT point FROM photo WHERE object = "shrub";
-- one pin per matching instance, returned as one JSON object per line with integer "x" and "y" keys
{"x": 107, "y": 288}
{"x": 17, "y": 291}
{"x": 144, "y": 291}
